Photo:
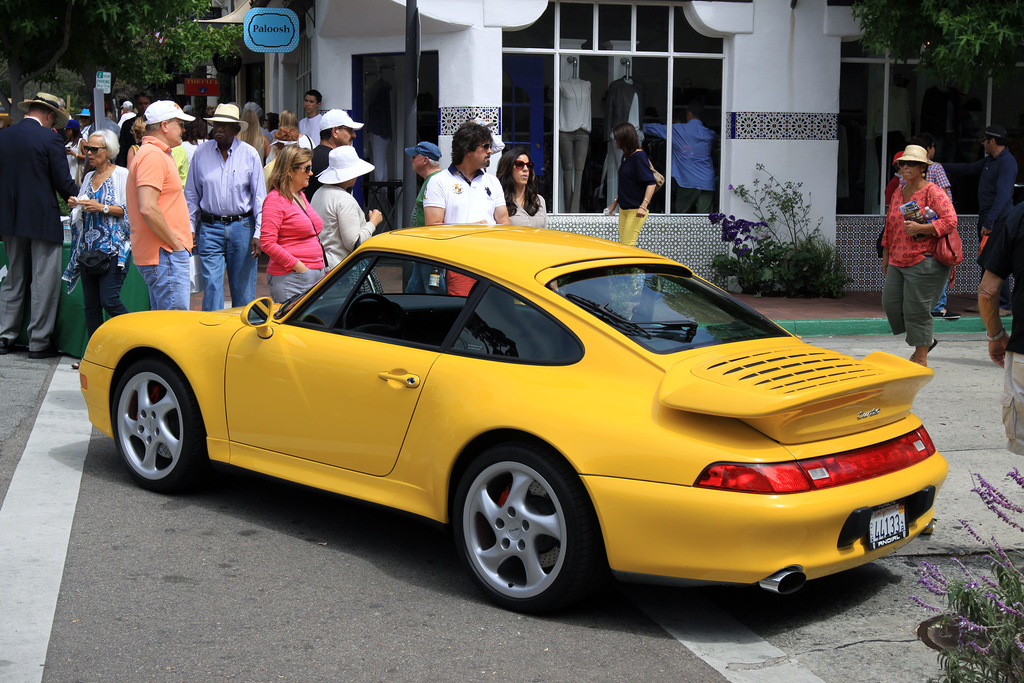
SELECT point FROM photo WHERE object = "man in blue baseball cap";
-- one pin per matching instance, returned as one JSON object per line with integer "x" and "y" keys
{"x": 426, "y": 161}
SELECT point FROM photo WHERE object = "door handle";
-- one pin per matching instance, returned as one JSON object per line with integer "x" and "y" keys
{"x": 410, "y": 381}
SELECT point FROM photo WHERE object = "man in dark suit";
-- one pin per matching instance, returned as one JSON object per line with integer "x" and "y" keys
{"x": 33, "y": 171}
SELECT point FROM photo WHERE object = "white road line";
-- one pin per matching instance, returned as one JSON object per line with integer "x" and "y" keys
{"x": 725, "y": 644}
{"x": 35, "y": 526}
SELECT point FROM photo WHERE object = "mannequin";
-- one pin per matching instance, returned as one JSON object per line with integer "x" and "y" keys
{"x": 574, "y": 124}
{"x": 378, "y": 123}
{"x": 624, "y": 102}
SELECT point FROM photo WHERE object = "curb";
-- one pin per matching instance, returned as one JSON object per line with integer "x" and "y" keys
{"x": 844, "y": 327}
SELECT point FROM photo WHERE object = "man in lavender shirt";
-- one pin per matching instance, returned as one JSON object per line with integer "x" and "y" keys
{"x": 225, "y": 190}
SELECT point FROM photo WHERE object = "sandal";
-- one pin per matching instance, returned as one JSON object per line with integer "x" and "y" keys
{"x": 934, "y": 343}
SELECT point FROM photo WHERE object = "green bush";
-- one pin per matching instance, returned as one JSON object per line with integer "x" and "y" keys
{"x": 781, "y": 254}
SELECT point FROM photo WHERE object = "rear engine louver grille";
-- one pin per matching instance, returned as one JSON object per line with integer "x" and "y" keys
{"x": 781, "y": 372}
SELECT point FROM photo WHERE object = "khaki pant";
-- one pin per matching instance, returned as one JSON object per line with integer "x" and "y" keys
{"x": 909, "y": 295}
{"x": 629, "y": 226}
{"x": 1013, "y": 402}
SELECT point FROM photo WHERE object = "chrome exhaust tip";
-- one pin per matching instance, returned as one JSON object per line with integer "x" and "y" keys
{"x": 785, "y": 581}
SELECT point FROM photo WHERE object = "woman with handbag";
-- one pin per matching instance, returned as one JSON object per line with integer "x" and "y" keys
{"x": 637, "y": 184}
{"x": 290, "y": 230}
{"x": 100, "y": 237}
{"x": 913, "y": 273}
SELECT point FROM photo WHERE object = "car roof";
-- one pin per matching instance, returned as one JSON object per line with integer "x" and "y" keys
{"x": 505, "y": 251}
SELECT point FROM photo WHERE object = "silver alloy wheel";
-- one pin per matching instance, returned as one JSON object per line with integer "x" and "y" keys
{"x": 151, "y": 426}
{"x": 514, "y": 528}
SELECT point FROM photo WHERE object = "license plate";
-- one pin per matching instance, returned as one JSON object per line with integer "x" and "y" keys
{"x": 888, "y": 524}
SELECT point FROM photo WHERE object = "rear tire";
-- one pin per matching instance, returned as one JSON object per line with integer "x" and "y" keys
{"x": 526, "y": 529}
{"x": 158, "y": 427}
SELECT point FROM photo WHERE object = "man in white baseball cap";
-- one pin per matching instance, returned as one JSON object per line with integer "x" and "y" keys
{"x": 157, "y": 212}
{"x": 336, "y": 130}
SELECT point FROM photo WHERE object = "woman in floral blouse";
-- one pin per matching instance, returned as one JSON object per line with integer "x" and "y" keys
{"x": 913, "y": 276}
{"x": 99, "y": 229}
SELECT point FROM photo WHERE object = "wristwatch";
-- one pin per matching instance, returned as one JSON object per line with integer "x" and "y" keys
{"x": 106, "y": 209}
{"x": 999, "y": 336}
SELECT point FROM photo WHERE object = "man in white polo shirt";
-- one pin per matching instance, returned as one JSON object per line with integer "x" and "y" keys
{"x": 464, "y": 193}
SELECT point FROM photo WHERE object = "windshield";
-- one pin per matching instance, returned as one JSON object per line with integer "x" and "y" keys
{"x": 663, "y": 309}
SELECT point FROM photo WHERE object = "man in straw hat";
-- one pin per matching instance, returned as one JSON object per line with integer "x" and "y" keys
{"x": 157, "y": 212}
{"x": 225, "y": 190}
{"x": 33, "y": 167}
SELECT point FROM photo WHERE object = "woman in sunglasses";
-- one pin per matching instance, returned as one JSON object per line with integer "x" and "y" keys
{"x": 290, "y": 229}
{"x": 100, "y": 236}
{"x": 525, "y": 206}
{"x": 913, "y": 276}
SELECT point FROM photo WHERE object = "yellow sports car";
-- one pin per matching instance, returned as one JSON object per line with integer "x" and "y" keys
{"x": 566, "y": 404}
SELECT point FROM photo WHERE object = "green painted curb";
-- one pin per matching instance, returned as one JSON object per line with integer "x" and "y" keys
{"x": 843, "y": 327}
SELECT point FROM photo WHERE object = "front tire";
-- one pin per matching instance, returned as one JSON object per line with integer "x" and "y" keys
{"x": 525, "y": 527}
{"x": 158, "y": 427}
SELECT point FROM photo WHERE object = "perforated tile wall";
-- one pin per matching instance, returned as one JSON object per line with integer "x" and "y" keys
{"x": 855, "y": 239}
{"x": 691, "y": 240}
{"x": 694, "y": 241}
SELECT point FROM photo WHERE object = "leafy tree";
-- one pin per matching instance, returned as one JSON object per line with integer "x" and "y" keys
{"x": 959, "y": 41}
{"x": 145, "y": 41}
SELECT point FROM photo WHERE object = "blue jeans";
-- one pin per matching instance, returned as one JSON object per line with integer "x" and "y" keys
{"x": 941, "y": 305}
{"x": 168, "y": 281}
{"x": 227, "y": 245}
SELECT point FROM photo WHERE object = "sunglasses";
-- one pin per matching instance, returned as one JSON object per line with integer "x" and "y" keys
{"x": 308, "y": 168}
{"x": 901, "y": 164}
{"x": 91, "y": 150}
{"x": 523, "y": 164}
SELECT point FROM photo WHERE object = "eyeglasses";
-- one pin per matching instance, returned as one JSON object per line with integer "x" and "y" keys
{"x": 523, "y": 164}
{"x": 486, "y": 145}
{"x": 91, "y": 150}
{"x": 308, "y": 168}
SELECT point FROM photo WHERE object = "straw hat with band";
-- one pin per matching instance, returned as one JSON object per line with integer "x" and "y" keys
{"x": 916, "y": 153}
{"x": 51, "y": 102}
{"x": 343, "y": 164}
{"x": 227, "y": 113}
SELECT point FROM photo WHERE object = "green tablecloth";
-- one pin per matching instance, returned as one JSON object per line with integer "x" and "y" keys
{"x": 69, "y": 333}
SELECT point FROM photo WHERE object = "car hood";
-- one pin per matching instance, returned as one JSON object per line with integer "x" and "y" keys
{"x": 794, "y": 392}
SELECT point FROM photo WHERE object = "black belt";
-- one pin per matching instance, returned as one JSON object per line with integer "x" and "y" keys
{"x": 210, "y": 218}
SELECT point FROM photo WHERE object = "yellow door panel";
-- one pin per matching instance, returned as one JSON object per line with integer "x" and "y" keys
{"x": 325, "y": 397}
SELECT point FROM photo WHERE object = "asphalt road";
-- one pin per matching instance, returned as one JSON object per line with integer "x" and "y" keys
{"x": 257, "y": 581}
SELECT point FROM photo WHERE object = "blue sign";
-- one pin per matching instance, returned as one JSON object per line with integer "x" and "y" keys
{"x": 271, "y": 30}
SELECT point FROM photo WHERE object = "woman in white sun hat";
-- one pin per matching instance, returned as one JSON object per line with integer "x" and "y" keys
{"x": 345, "y": 225}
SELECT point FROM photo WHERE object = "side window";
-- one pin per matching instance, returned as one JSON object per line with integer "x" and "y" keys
{"x": 503, "y": 326}
{"x": 402, "y": 299}
{"x": 324, "y": 309}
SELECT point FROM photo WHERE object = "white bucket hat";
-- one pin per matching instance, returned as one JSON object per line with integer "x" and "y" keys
{"x": 343, "y": 164}
{"x": 227, "y": 113}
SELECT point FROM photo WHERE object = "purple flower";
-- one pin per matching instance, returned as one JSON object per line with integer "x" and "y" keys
{"x": 730, "y": 187}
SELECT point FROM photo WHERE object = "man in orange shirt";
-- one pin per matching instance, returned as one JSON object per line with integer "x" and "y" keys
{"x": 157, "y": 212}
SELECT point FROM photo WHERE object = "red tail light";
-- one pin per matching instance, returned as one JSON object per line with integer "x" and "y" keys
{"x": 820, "y": 473}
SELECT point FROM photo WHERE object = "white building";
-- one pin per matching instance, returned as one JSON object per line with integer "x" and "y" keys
{"x": 783, "y": 83}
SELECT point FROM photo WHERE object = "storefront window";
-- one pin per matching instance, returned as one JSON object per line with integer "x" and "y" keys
{"x": 883, "y": 105}
{"x": 580, "y": 89}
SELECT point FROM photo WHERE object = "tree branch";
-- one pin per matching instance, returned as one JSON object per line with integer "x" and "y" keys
{"x": 56, "y": 55}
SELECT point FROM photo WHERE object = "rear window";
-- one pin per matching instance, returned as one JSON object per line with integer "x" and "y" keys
{"x": 665, "y": 310}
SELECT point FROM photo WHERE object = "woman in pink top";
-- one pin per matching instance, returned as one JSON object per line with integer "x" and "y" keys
{"x": 291, "y": 227}
{"x": 913, "y": 276}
